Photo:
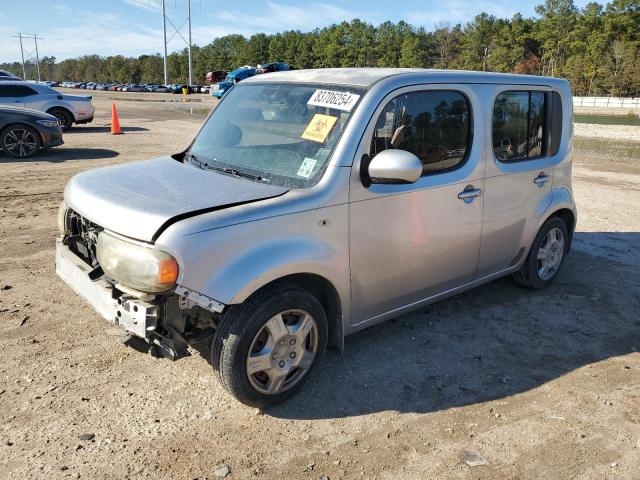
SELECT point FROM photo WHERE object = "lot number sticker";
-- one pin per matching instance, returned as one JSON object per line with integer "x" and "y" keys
{"x": 338, "y": 100}
{"x": 319, "y": 128}
{"x": 307, "y": 167}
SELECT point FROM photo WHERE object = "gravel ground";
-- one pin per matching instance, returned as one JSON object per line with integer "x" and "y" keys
{"x": 627, "y": 133}
{"x": 525, "y": 385}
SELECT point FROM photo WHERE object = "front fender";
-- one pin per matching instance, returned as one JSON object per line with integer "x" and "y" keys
{"x": 228, "y": 264}
{"x": 252, "y": 270}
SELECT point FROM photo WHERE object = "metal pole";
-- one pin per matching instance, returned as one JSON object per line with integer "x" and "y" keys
{"x": 164, "y": 33}
{"x": 24, "y": 71}
{"x": 190, "y": 62}
{"x": 35, "y": 39}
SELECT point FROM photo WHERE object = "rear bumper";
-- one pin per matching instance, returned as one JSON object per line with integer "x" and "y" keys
{"x": 85, "y": 120}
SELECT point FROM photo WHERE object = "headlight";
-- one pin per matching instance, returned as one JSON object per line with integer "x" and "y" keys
{"x": 62, "y": 219}
{"x": 48, "y": 123}
{"x": 142, "y": 268}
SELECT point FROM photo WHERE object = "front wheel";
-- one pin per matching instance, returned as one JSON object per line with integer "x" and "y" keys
{"x": 20, "y": 141}
{"x": 546, "y": 255}
{"x": 265, "y": 349}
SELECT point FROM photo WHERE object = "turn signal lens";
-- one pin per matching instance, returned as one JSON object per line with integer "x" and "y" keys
{"x": 167, "y": 271}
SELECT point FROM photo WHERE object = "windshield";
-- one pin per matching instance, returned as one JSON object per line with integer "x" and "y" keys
{"x": 279, "y": 133}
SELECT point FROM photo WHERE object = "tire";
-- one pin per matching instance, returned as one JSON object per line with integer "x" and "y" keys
{"x": 64, "y": 117}
{"x": 281, "y": 362}
{"x": 20, "y": 141}
{"x": 554, "y": 238}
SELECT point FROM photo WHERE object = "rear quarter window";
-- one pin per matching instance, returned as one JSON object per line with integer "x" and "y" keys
{"x": 526, "y": 125}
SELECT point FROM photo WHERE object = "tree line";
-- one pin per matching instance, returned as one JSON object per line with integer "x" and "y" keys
{"x": 597, "y": 48}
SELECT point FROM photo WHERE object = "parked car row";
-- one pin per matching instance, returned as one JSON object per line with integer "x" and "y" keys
{"x": 136, "y": 87}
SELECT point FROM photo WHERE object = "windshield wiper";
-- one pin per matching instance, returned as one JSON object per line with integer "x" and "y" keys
{"x": 236, "y": 173}
{"x": 228, "y": 170}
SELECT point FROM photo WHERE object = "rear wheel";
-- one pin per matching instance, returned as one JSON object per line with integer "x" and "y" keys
{"x": 20, "y": 141}
{"x": 546, "y": 255}
{"x": 65, "y": 119}
{"x": 265, "y": 349}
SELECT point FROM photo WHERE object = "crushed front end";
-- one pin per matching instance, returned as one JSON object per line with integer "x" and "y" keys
{"x": 169, "y": 321}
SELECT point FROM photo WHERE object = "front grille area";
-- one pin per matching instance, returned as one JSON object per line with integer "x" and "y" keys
{"x": 83, "y": 237}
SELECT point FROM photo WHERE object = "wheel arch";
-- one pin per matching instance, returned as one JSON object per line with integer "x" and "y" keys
{"x": 568, "y": 216}
{"x": 326, "y": 293}
{"x": 560, "y": 205}
{"x": 56, "y": 106}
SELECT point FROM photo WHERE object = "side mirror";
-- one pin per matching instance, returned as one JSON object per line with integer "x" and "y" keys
{"x": 395, "y": 166}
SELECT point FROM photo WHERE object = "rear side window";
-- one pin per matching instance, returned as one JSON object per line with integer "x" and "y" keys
{"x": 16, "y": 91}
{"x": 433, "y": 125}
{"x": 519, "y": 126}
{"x": 555, "y": 129}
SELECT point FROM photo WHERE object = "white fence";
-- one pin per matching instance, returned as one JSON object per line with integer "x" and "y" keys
{"x": 610, "y": 102}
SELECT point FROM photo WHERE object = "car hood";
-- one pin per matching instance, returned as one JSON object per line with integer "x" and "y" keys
{"x": 141, "y": 199}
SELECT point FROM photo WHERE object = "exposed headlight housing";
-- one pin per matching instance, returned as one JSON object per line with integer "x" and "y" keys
{"x": 141, "y": 268}
{"x": 49, "y": 123}
{"x": 62, "y": 219}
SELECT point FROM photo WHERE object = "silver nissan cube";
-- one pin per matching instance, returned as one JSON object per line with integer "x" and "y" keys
{"x": 313, "y": 204}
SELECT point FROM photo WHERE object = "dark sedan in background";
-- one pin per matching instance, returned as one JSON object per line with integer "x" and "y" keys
{"x": 24, "y": 132}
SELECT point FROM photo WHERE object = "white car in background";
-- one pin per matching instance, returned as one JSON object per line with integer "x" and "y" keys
{"x": 68, "y": 109}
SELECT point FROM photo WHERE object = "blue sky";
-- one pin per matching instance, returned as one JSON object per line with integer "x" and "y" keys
{"x": 132, "y": 27}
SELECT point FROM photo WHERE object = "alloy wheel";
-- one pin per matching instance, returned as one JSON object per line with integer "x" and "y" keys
{"x": 550, "y": 254}
{"x": 20, "y": 142}
{"x": 282, "y": 352}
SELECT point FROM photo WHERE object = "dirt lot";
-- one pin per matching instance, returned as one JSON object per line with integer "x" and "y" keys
{"x": 543, "y": 385}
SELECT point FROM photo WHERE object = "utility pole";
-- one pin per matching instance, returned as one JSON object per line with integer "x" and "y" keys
{"x": 164, "y": 33}
{"x": 35, "y": 39}
{"x": 24, "y": 70}
{"x": 190, "y": 63}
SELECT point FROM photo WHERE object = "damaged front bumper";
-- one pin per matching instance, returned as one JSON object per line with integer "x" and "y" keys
{"x": 159, "y": 320}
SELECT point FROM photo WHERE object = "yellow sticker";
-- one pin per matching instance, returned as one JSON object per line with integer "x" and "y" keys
{"x": 319, "y": 128}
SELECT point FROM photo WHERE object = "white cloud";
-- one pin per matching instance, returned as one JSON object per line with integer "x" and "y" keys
{"x": 153, "y": 5}
{"x": 278, "y": 17}
{"x": 457, "y": 11}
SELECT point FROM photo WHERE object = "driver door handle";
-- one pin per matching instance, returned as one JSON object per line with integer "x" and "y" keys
{"x": 469, "y": 193}
{"x": 541, "y": 179}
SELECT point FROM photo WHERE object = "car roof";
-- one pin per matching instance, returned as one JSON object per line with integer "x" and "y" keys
{"x": 366, "y": 77}
{"x": 25, "y": 111}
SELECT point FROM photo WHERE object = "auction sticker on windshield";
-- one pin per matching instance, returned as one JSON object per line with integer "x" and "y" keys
{"x": 338, "y": 100}
{"x": 319, "y": 128}
{"x": 307, "y": 167}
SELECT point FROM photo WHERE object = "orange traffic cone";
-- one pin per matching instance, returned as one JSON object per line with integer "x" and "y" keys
{"x": 115, "y": 122}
